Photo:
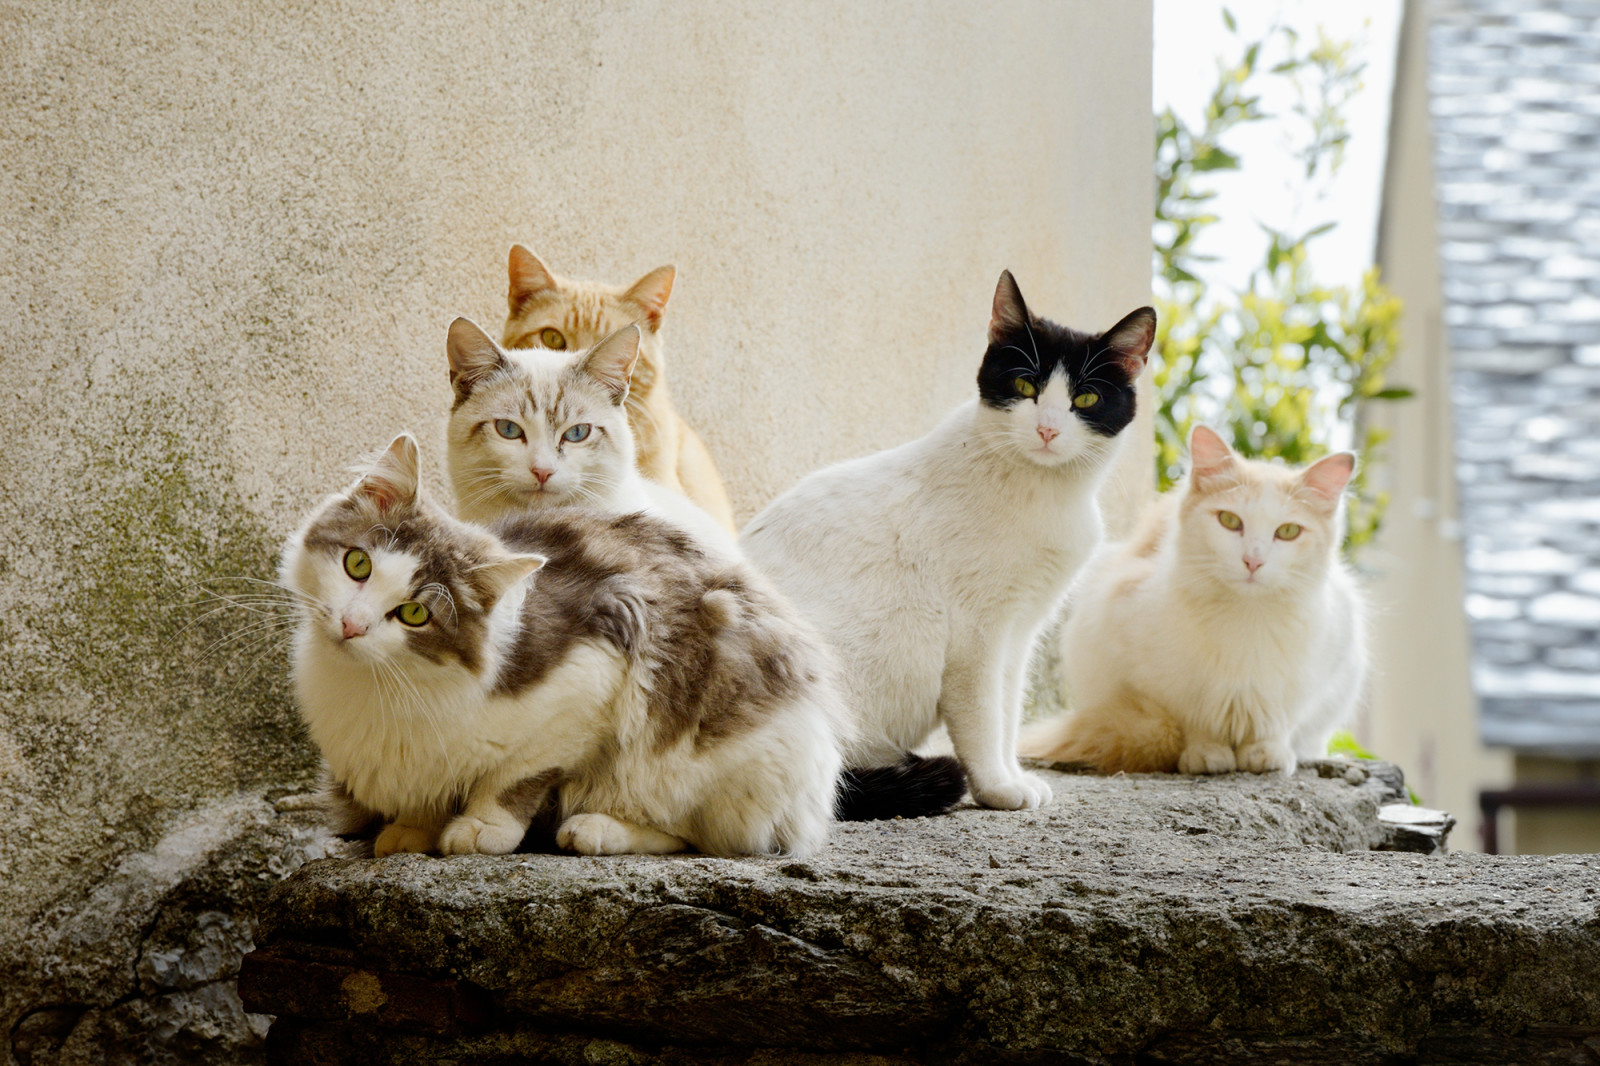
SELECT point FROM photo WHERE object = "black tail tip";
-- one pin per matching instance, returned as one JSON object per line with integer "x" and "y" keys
{"x": 914, "y": 787}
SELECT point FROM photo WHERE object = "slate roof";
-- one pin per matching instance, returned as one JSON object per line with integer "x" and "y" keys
{"x": 1514, "y": 90}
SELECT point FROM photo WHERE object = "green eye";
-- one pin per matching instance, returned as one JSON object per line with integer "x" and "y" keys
{"x": 358, "y": 564}
{"x": 576, "y": 433}
{"x": 1230, "y": 520}
{"x": 551, "y": 337}
{"x": 1026, "y": 388}
{"x": 508, "y": 429}
{"x": 1287, "y": 531}
{"x": 412, "y": 614}
{"x": 1085, "y": 399}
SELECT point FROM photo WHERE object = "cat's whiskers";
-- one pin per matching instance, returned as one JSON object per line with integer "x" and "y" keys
{"x": 417, "y": 705}
{"x": 270, "y": 627}
{"x": 1031, "y": 357}
{"x": 446, "y": 594}
{"x": 388, "y": 535}
{"x": 1026, "y": 325}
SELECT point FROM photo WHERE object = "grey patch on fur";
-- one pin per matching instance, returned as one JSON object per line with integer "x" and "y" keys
{"x": 345, "y": 816}
{"x": 643, "y": 585}
{"x": 525, "y": 799}
{"x": 719, "y": 648}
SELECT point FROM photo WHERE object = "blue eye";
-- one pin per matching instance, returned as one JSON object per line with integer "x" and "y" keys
{"x": 576, "y": 433}
{"x": 508, "y": 429}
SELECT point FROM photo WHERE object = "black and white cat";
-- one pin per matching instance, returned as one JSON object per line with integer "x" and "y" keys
{"x": 454, "y": 676}
{"x": 932, "y": 567}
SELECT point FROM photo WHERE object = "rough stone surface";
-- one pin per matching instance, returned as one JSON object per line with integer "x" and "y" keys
{"x": 1136, "y": 919}
{"x": 140, "y": 964}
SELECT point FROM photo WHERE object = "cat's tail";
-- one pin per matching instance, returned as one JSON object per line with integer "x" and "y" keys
{"x": 1132, "y": 742}
{"x": 914, "y": 787}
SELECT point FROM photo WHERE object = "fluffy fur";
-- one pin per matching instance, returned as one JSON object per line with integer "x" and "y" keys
{"x": 542, "y": 398}
{"x": 547, "y": 311}
{"x": 1225, "y": 635}
{"x": 663, "y": 697}
{"x": 932, "y": 567}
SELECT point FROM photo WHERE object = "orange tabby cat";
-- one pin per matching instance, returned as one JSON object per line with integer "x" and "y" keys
{"x": 553, "y": 312}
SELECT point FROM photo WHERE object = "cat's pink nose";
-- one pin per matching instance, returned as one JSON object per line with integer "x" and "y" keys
{"x": 352, "y": 628}
{"x": 542, "y": 474}
{"x": 1252, "y": 563}
{"x": 1048, "y": 434}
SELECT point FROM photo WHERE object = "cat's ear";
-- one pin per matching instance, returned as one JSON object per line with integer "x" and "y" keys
{"x": 529, "y": 277}
{"x": 1327, "y": 477}
{"x": 1210, "y": 458}
{"x": 650, "y": 293}
{"x": 392, "y": 481}
{"x": 611, "y": 361}
{"x": 496, "y": 577}
{"x": 1008, "y": 313}
{"x": 473, "y": 356}
{"x": 1130, "y": 340}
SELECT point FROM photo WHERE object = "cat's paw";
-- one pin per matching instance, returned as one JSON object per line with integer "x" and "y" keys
{"x": 1021, "y": 793}
{"x": 1207, "y": 757}
{"x": 1265, "y": 757}
{"x": 601, "y": 834}
{"x": 467, "y": 835}
{"x": 398, "y": 837}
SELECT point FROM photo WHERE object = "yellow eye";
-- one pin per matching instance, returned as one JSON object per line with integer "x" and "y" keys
{"x": 1085, "y": 399}
{"x": 551, "y": 337}
{"x": 358, "y": 564}
{"x": 412, "y": 614}
{"x": 1230, "y": 520}
{"x": 1287, "y": 531}
{"x": 1026, "y": 388}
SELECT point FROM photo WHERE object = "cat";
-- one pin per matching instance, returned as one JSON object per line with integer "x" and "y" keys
{"x": 1224, "y": 635}
{"x": 931, "y": 568}
{"x": 534, "y": 428}
{"x": 455, "y": 677}
{"x": 556, "y": 313}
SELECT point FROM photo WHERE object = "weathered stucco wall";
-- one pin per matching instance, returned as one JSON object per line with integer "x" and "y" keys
{"x": 231, "y": 239}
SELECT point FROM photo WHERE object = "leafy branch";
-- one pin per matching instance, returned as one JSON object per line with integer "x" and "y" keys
{"x": 1285, "y": 361}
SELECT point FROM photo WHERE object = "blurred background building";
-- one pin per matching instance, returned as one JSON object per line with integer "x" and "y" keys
{"x": 1491, "y": 234}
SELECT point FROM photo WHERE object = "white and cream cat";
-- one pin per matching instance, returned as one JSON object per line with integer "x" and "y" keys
{"x": 562, "y": 314}
{"x": 456, "y": 679}
{"x": 931, "y": 568}
{"x": 1225, "y": 635}
{"x": 534, "y": 428}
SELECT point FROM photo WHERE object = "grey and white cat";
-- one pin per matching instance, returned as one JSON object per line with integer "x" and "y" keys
{"x": 535, "y": 428}
{"x": 1225, "y": 635}
{"x": 932, "y": 567}
{"x": 453, "y": 676}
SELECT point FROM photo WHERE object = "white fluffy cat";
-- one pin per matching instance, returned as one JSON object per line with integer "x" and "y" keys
{"x": 536, "y": 428}
{"x": 932, "y": 567}
{"x": 456, "y": 678}
{"x": 1225, "y": 635}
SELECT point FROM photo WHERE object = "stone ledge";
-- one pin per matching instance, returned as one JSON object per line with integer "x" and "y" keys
{"x": 1137, "y": 919}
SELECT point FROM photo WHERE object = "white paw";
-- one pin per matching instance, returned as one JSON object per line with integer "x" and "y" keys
{"x": 467, "y": 835}
{"x": 1265, "y": 757}
{"x": 1021, "y": 793}
{"x": 1206, "y": 757}
{"x": 399, "y": 837}
{"x": 595, "y": 834}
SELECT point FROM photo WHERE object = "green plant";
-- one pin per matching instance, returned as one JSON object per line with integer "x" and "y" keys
{"x": 1343, "y": 742}
{"x": 1283, "y": 365}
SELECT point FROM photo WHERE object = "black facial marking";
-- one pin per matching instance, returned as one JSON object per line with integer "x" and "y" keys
{"x": 1038, "y": 350}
